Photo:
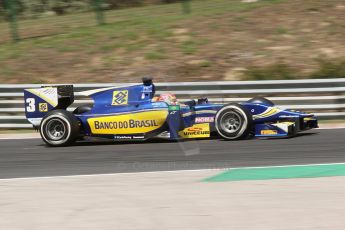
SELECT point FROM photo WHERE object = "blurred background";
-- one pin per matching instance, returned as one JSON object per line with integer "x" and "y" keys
{"x": 71, "y": 41}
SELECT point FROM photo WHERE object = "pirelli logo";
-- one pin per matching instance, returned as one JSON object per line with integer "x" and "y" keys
{"x": 269, "y": 132}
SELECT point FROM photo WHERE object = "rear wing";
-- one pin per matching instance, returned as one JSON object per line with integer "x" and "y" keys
{"x": 39, "y": 101}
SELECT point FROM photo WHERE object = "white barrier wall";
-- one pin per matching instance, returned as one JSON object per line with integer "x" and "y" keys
{"x": 324, "y": 97}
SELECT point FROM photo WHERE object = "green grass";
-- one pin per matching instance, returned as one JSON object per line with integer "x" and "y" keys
{"x": 127, "y": 21}
{"x": 333, "y": 69}
{"x": 282, "y": 71}
{"x": 7, "y": 71}
{"x": 127, "y": 31}
{"x": 189, "y": 47}
{"x": 281, "y": 30}
{"x": 276, "y": 71}
{"x": 205, "y": 64}
{"x": 155, "y": 55}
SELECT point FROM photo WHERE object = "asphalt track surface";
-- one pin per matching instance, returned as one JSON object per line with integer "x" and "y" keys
{"x": 31, "y": 158}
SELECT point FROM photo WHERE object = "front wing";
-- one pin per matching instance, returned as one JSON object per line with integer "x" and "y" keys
{"x": 285, "y": 128}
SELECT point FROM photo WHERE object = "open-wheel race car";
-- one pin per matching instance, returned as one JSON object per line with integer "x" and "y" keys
{"x": 133, "y": 112}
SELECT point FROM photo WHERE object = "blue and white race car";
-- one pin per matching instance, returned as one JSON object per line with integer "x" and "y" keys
{"x": 134, "y": 113}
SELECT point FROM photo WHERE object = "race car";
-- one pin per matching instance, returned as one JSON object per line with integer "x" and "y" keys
{"x": 134, "y": 112}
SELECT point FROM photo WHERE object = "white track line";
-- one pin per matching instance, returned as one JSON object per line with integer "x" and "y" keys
{"x": 167, "y": 171}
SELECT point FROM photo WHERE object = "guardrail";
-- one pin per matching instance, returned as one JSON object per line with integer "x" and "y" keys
{"x": 324, "y": 97}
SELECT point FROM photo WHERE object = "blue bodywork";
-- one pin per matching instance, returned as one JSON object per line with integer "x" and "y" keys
{"x": 131, "y": 108}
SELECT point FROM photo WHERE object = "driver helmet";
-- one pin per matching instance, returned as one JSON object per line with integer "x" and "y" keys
{"x": 168, "y": 98}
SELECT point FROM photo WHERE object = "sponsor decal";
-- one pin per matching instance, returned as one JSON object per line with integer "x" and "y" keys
{"x": 120, "y": 97}
{"x": 122, "y": 137}
{"x": 288, "y": 116}
{"x": 159, "y": 105}
{"x": 204, "y": 119}
{"x": 43, "y": 107}
{"x": 174, "y": 107}
{"x": 147, "y": 89}
{"x": 269, "y": 132}
{"x": 196, "y": 131}
{"x": 126, "y": 124}
{"x": 128, "y": 137}
{"x": 138, "y": 137}
{"x": 308, "y": 118}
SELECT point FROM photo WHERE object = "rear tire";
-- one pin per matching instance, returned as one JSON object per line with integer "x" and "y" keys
{"x": 233, "y": 122}
{"x": 59, "y": 128}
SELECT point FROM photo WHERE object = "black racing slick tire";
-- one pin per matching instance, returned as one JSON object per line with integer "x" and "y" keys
{"x": 234, "y": 122}
{"x": 261, "y": 100}
{"x": 59, "y": 128}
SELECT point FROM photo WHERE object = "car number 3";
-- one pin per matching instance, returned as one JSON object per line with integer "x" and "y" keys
{"x": 31, "y": 105}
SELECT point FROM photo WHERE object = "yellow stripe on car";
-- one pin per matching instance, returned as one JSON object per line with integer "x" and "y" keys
{"x": 269, "y": 112}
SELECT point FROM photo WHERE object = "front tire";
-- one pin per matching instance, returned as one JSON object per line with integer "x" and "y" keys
{"x": 59, "y": 128}
{"x": 233, "y": 122}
